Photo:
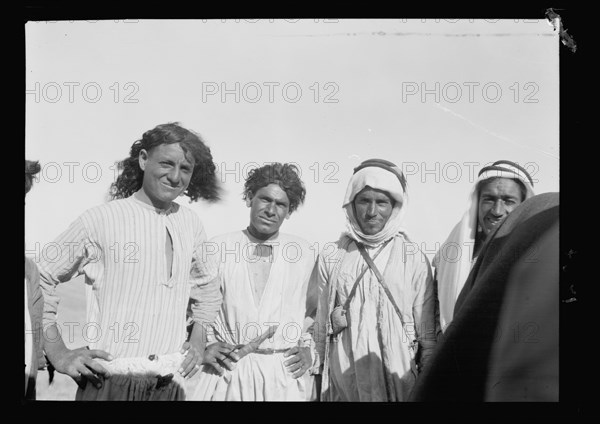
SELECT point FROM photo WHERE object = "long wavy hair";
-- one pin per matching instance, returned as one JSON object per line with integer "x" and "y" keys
{"x": 204, "y": 182}
{"x": 285, "y": 175}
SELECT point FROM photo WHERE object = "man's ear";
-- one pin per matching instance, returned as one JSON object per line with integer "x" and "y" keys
{"x": 288, "y": 215}
{"x": 142, "y": 159}
{"x": 249, "y": 197}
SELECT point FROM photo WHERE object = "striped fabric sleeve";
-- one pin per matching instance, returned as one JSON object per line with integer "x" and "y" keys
{"x": 206, "y": 296}
{"x": 71, "y": 256}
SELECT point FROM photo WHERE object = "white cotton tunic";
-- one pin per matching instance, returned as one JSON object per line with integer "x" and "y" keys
{"x": 259, "y": 377}
{"x": 134, "y": 307}
{"x": 355, "y": 361}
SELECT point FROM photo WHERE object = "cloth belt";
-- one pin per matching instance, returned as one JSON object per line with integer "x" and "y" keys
{"x": 270, "y": 351}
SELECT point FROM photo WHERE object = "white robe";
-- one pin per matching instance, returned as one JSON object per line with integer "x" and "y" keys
{"x": 354, "y": 360}
{"x": 258, "y": 377}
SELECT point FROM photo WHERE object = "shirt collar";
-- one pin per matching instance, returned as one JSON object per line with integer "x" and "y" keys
{"x": 274, "y": 239}
{"x": 172, "y": 208}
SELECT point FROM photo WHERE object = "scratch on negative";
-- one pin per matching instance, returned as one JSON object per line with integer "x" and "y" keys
{"x": 501, "y": 137}
{"x": 426, "y": 34}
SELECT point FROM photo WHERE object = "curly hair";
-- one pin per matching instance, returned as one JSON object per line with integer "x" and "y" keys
{"x": 204, "y": 182}
{"x": 285, "y": 175}
{"x": 31, "y": 168}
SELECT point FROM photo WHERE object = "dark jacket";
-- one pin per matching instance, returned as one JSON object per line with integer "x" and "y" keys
{"x": 459, "y": 369}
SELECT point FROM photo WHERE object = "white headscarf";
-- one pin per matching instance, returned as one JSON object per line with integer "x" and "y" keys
{"x": 454, "y": 259}
{"x": 381, "y": 175}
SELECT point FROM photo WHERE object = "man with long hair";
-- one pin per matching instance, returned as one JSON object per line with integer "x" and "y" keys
{"x": 141, "y": 254}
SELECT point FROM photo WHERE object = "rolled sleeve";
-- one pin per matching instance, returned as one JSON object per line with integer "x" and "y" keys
{"x": 206, "y": 299}
{"x": 205, "y": 296}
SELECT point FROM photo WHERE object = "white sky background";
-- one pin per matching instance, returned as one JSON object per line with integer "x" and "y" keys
{"x": 356, "y": 78}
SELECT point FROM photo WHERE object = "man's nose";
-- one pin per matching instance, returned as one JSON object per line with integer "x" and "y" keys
{"x": 372, "y": 209}
{"x": 174, "y": 175}
{"x": 498, "y": 208}
{"x": 270, "y": 209}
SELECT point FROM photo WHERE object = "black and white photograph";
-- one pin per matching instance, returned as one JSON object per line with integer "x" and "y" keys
{"x": 302, "y": 210}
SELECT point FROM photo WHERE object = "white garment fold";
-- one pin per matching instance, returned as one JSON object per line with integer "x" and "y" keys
{"x": 258, "y": 377}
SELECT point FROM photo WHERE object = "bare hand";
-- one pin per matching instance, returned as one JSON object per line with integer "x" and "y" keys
{"x": 193, "y": 360}
{"x": 219, "y": 355}
{"x": 300, "y": 361}
{"x": 79, "y": 364}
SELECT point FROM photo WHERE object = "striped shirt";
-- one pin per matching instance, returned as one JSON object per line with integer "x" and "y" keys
{"x": 135, "y": 306}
